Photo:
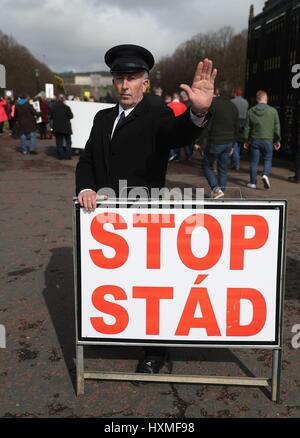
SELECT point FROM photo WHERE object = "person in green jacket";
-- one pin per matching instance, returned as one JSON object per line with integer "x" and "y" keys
{"x": 219, "y": 135}
{"x": 262, "y": 134}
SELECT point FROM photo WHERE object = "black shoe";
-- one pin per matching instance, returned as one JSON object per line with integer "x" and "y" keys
{"x": 33, "y": 152}
{"x": 293, "y": 180}
{"x": 149, "y": 366}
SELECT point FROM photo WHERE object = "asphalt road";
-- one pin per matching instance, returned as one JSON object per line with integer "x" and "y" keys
{"x": 37, "y": 370}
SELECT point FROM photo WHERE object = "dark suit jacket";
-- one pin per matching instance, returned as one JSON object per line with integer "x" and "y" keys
{"x": 61, "y": 115}
{"x": 25, "y": 115}
{"x": 138, "y": 151}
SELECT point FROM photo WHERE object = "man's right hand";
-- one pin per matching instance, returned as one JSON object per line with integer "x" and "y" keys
{"x": 87, "y": 199}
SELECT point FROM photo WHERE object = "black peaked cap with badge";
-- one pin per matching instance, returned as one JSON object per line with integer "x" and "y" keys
{"x": 128, "y": 58}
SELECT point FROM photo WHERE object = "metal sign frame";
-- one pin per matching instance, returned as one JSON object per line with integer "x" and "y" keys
{"x": 276, "y": 346}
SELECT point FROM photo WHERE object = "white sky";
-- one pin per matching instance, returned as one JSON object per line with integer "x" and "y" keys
{"x": 75, "y": 34}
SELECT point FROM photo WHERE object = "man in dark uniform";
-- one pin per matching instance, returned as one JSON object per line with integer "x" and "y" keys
{"x": 132, "y": 140}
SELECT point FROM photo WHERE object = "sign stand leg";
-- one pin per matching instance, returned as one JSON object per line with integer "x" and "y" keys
{"x": 79, "y": 370}
{"x": 276, "y": 371}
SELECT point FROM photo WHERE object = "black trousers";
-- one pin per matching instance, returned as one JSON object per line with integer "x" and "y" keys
{"x": 42, "y": 129}
{"x": 63, "y": 145}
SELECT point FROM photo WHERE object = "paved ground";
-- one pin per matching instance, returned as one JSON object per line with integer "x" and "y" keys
{"x": 37, "y": 373}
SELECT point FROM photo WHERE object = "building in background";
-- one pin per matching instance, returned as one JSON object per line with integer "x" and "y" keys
{"x": 97, "y": 84}
{"x": 273, "y": 49}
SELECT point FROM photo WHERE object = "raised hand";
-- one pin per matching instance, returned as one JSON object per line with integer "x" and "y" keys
{"x": 202, "y": 90}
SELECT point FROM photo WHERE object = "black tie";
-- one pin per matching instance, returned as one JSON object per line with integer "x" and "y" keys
{"x": 120, "y": 121}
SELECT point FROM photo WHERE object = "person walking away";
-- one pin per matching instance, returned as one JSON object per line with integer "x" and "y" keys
{"x": 242, "y": 106}
{"x": 3, "y": 114}
{"x": 262, "y": 134}
{"x": 25, "y": 117}
{"x": 219, "y": 136}
{"x": 61, "y": 116}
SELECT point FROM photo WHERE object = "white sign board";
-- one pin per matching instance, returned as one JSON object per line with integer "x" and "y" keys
{"x": 82, "y": 122}
{"x": 49, "y": 91}
{"x": 2, "y": 76}
{"x": 202, "y": 274}
{"x": 37, "y": 108}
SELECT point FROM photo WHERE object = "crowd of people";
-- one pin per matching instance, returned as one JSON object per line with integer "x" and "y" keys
{"x": 232, "y": 129}
{"x": 26, "y": 117}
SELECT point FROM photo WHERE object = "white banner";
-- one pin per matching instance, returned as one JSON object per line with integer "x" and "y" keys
{"x": 192, "y": 275}
{"x": 82, "y": 122}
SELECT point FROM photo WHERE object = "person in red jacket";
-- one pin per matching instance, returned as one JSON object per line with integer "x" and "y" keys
{"x": 178, "y": 108}
{"x": 3, "y": 115}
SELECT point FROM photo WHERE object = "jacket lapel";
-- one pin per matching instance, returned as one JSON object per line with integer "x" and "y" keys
{"x": 139, "y": 109}
{"x": 108, "y": 124}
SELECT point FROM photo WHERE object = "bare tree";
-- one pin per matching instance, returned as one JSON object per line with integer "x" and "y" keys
{"x": 227, "y": 50}
{"x": 21, "y": 67}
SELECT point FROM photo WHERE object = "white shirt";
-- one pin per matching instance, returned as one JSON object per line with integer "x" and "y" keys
{"x": 126, "y": 113}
